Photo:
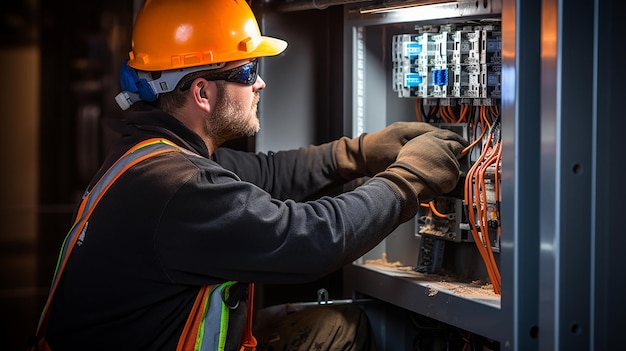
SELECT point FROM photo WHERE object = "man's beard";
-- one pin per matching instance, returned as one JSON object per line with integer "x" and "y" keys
{"x": 230, "y": 119}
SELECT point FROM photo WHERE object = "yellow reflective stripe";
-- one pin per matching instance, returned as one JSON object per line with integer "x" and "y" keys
{"x": 151, "y": 142}
{"x": 200, "y": 335}
{"x": 225, "y": 316}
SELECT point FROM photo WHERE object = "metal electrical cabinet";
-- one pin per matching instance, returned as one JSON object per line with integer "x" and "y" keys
{"x": 555, "y": 210}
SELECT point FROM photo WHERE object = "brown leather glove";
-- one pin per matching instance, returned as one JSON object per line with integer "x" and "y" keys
{"x": 373, "y": 153}
{"x": 426, "y": 167}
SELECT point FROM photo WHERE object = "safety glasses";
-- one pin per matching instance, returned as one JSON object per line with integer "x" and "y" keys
{"x": 244, "y": 74}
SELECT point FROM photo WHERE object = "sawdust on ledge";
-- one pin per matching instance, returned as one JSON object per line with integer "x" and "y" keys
{"x": 436, "y": 283}
{"x": 383, "y": 262}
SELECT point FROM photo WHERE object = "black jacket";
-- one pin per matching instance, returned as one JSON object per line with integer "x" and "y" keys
{"x": 175, "y": 222}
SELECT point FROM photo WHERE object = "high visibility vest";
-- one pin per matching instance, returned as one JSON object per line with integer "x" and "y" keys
{"x": 207, "y": 324}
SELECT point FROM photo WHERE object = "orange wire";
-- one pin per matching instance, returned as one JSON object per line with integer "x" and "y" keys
{"x": 470, "y": 209}
{"x": 418, "y": 113}
{"x": 466, "y": 112}
{"x": 452, "y": 115}
{"x": 485, "y": 218}
{"x": 435, "y": 211}
{"x": 433, "y": 110}
{"x": 497, "y": 185}
{"x": 483, "y": 213}
{"x": 471, "y": 203}
{"x": 497, "y": 164}
{"x": 444, "y": 110}
{"x": 484, "y": 122}
{"x": 497, "y": 175}
{"x": 476, "y": 141}
{"x": 467, "y": 342}
{"x": 461, "y": 113}
{"x": 483, "y": 116}
{"x": 494, "y": 110}
{"x": 444, "y": 114}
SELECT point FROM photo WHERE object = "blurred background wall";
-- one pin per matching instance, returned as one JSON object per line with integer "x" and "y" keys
{"x": 58, "y": 62}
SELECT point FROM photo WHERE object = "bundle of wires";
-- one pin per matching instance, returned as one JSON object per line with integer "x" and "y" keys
{"x": 442, "y": 113}
{"x": 487, "y": 147}
{"x": 479, "y": 215}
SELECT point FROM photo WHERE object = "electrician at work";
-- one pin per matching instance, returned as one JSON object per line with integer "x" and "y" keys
{"x": 208, "y": 216}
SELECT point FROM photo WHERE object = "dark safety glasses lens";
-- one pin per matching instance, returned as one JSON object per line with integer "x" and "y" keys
{"x": 245, "y": 74}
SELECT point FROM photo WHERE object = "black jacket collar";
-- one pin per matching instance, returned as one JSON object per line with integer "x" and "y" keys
{"x": 149, "y": 122}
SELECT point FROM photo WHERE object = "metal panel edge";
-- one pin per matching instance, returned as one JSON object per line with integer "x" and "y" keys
{"x": 520, "y": 181}
{"x": 566, "y": 168}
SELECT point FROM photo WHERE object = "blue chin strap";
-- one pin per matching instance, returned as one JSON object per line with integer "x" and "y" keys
{"x": 140, "y": 86}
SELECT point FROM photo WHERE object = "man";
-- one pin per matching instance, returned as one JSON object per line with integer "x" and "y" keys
{"x": 209, "y": 216}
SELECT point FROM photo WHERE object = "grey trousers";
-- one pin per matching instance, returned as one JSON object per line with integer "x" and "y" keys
{"x": 319, "y": 328}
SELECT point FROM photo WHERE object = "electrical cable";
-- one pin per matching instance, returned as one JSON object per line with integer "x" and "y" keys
{"x": 484, "y": 123}
{"x": 452, "y": 114}
{"x": 473, "y": 206}
{"x": 483, "y": 214}
{"x": 475, "y": 194}
{"x": 417, "y": 110}
{"x": 432, "y": 207}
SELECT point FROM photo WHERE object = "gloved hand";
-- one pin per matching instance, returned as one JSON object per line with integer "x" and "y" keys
{"x": 426, "y": 166}
{"x": 373, "y": 153}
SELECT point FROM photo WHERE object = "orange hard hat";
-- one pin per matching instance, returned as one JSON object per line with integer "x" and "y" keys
{"x": 174, "y": 34}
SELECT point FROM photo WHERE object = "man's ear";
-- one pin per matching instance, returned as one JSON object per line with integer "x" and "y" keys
{"x": 199, "y": 94}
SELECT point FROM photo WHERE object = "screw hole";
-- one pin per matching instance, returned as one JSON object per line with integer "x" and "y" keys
{"x": 575, "y": 329}
{"x": 577, "y": 169}
{"x": 534, "y": 332}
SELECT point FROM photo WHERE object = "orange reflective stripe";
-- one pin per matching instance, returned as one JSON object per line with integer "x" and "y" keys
{"x": 248, "y": 341}
{"x": 131, "y": 150}
{"x": 187, "y": 341}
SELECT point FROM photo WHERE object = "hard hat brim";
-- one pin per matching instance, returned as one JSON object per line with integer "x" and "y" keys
{"x": 269, "y": 47}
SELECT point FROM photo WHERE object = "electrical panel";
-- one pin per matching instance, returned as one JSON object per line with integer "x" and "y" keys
{"x": 453, "y": 71}
{"x": 446, "y": 71}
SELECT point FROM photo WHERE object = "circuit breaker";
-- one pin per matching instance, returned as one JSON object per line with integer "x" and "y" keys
{"x": 448, "y": 62}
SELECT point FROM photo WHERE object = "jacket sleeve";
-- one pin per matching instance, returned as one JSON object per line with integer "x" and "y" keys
{"x": 216, "y": 226}
{"x": 294, "y": 174}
